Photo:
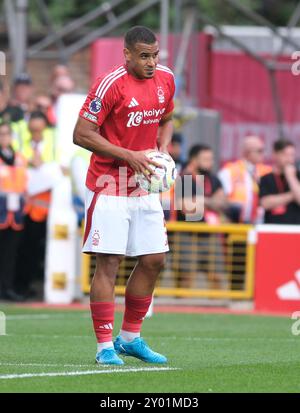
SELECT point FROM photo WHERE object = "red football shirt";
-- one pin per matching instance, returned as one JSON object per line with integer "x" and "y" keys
{"x": 128, "y": 111}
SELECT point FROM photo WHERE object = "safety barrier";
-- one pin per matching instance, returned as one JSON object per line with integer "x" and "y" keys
{"x": 212, "y": 261}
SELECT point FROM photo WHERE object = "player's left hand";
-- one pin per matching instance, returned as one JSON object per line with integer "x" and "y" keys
{"x": 140, "y": 163}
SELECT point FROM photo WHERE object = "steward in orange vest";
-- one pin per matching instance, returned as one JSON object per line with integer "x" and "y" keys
{"x": 13, "y": 184}
{"x": 240, "y": 180}
{"x": 37, "y": 144}
{"x": 244, "y": 187}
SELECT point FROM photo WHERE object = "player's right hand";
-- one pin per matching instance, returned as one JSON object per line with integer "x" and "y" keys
{"x": 140, "y": 163}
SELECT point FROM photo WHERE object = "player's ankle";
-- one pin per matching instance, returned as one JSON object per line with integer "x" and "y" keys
{"x": 105, "y": 345}
{"x": 128, "y": 335}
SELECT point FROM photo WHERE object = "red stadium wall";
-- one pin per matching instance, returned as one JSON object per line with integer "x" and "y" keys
{"x": 108, "y": 52}
{"x": 241, "y": 91}
{"x": 230, "y": 82}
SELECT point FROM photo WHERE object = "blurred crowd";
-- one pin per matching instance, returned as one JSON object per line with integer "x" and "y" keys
{"x": 27, "y": 145}
{"x": 246, "y": 190}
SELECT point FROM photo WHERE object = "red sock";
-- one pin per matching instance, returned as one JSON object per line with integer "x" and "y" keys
{"x": 103, "y": 320}
{"x": 135, "y": 310}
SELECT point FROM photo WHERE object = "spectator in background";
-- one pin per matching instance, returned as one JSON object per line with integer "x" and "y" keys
{"x": 38, "y": 147}
{"x": 58, "y": 71}
{"x": 13, "y": 184}
{"x": 240, "y": 181}
{"x": 175, "y": 150}
{"x": 61, "y": 85}
{"x": 3, "y": 104}
{"x": 19, "y": 106}
{"x": 201, "y": 162}
{"x": 43, "y": 104}
{"x": 280, "y": 189}
{"x": 36, "y": 140}
{"x": 22, "y": 95}
{"x": 8, "y": 113}
{"x": 195, "y": 248}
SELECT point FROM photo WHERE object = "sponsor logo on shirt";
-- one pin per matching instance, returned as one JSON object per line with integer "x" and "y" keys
{"x": 137, "y": 118}
{"x": 133, "y": 103}
{"x": 87, "y": 115}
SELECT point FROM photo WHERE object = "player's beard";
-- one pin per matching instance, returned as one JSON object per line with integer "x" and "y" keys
{"x": 149, "y": 72}
{"x": 142, "y": 73}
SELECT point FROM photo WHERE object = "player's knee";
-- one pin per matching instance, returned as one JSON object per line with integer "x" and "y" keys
{"x": 113, "y": 260}
{"x": 155, "y": 262}
{"x": 108, "y": 264}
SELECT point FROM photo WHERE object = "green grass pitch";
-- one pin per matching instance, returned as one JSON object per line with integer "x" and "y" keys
{"x": 53, "y": 351}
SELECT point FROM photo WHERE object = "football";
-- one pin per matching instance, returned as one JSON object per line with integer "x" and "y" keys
{"x": 164, "y": 177}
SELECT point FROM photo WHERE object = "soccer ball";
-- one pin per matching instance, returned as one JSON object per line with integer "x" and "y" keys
{"x": 164, "y": 177}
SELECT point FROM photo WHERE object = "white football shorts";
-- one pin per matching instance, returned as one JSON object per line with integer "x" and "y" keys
{"x": 130, "y": 226}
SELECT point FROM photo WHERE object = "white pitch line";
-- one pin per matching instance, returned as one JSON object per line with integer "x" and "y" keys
{"x": 43, "y": 365}
{"x": 56, "y": 336}
{"x": 44, "y": 316}
{"x": 84, "y": 373}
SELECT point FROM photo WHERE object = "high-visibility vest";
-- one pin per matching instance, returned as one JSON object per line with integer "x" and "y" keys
{"x": 23, "y": 143}
{"x": 13, "y": 183}
{"x": 83, "y": 154}
{"x": 37, "y": 206}
{"x": 19, "y": 128}
{"x": 238, "y": 173}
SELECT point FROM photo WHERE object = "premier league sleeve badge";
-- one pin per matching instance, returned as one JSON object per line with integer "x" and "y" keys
{"x": 95, "y": 105}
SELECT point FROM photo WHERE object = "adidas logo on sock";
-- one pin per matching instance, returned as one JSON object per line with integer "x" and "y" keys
{"x": 106, "y": 326}
{"x": 133, "y": 103}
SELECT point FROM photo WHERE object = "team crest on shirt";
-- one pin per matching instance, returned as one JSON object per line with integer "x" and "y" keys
{"x": 95, "y": 105}
{"x": 96, "y": 238}
{"x": 160, "y": 94}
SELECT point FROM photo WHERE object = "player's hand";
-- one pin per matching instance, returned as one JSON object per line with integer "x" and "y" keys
{"x": 140, "y": 163}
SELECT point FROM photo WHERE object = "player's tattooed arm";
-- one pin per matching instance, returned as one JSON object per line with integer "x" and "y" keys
{"x": 165, "y": 132}
{"x": 86, "y": 134}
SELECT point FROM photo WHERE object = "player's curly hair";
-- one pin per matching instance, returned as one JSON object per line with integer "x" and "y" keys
{"x": 139, "y": 34}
